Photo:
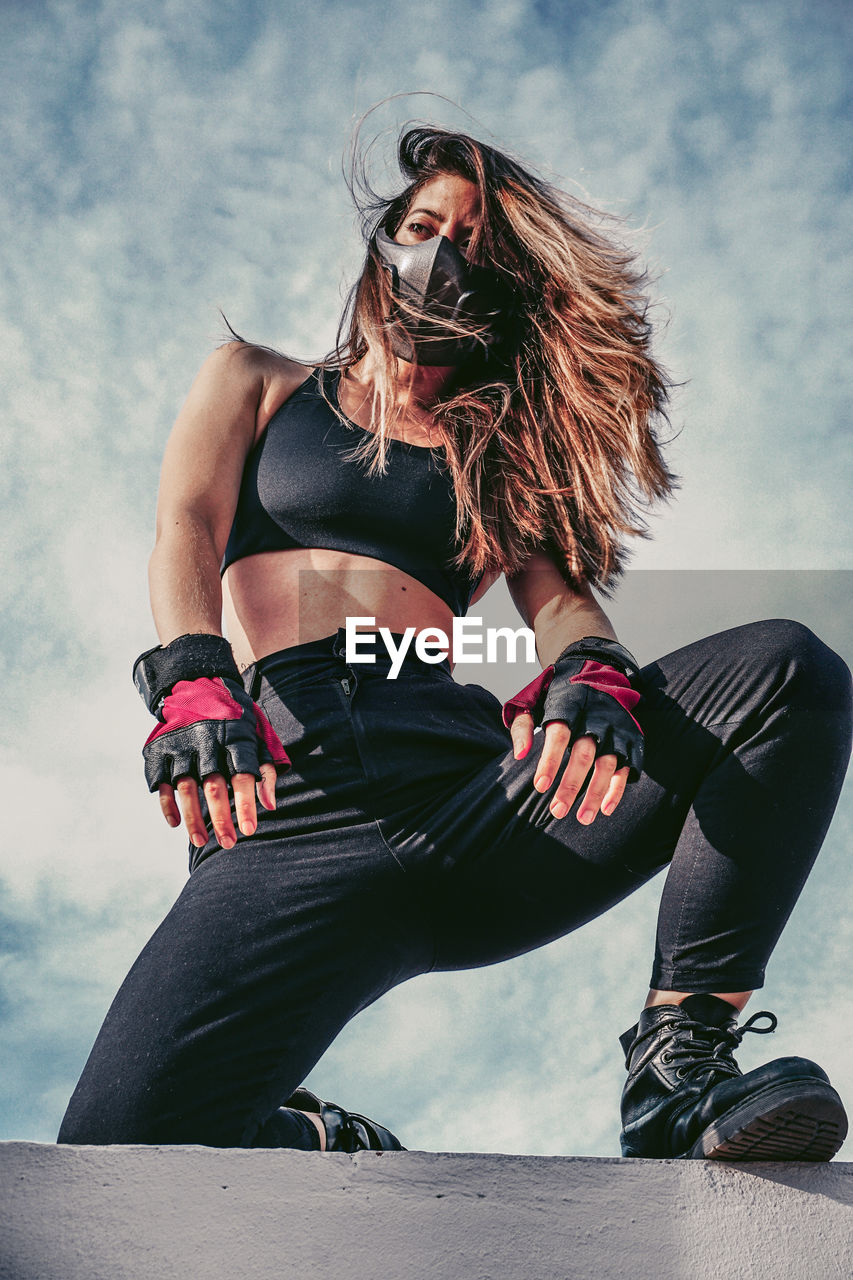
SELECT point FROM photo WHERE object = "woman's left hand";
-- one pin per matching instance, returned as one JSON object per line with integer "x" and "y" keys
{"x": 606, "y": 785}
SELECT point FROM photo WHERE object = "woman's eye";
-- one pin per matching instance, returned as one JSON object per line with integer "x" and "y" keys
{"x": 419, "y": 228}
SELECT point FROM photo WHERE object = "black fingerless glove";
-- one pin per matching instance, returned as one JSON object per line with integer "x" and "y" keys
{"x": 589, "y": 688}
{"x": 208, "y": 723}
{"x": 190, "y": 657}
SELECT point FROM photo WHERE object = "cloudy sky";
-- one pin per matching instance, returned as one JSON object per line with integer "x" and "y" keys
{"x": 159, "y": 163}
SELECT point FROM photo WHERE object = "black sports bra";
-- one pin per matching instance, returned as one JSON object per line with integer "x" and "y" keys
{"x": 298, "y": 490}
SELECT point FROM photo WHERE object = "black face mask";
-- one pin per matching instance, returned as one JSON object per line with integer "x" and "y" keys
{"x": 443, "y": 289}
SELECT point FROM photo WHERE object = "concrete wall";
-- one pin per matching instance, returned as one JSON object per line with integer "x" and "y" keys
{"x": 193, "y": 1213}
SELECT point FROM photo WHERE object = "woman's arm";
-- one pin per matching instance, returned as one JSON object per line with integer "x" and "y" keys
{"x": 199, "y": 486}
{"x": 228, "y": 405}
{"x": 558, "y": 617}
{"x": 556, "y": 614}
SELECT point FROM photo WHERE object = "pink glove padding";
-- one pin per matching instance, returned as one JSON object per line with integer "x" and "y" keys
{"x": 595, "y": 674}
{"x": 210, "y": 725}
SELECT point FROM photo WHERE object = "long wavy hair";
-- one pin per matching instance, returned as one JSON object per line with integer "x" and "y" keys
{"x": 552, "y": 442}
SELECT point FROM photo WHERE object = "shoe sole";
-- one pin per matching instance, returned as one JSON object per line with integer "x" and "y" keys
{"x": 804, "y": 1121}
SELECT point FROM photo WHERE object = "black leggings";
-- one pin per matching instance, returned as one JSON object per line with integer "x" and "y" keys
{"x": 406, "y": 839}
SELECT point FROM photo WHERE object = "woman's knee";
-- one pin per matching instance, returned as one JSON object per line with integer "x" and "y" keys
{"x": 118, "y": 1103}
{"x": 84, "y": 1127}
{"x": 786, "y": 641}
{"x": 126, "y": 1124}
{"x": 815, "y": 671}
{"x": 107, "y": 1120}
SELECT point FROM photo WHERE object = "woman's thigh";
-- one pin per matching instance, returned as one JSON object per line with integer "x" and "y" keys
{"x": 501, "y": 873}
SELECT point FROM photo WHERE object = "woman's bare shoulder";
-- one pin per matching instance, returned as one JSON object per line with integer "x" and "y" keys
{"x": 246, "y": 360}
{"x": 272, "y": 376}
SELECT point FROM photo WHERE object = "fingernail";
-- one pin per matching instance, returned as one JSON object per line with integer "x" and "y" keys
{"x": 607, "y": 809}
{"x": 559, "y": 809}
{"x": 585, "y": 816}
{"x": 542, "y": 784}
{"x": 173, "y": 822}
{"x": 227, "y": 842}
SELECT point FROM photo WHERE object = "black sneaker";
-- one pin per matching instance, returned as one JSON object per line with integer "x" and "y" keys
{"x": 686, "y": 1097}
{"x": 345, "y": 1130}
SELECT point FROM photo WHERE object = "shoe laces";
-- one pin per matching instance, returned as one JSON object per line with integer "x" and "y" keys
{"x": 709, "y": 1048}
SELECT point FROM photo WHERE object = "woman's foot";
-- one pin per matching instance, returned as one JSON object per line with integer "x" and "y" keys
{"x": 686, "y": 1097}
{"x": 343, "y": 1130}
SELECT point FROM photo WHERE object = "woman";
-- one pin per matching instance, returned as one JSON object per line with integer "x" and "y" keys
{"x": 490, "y": 412}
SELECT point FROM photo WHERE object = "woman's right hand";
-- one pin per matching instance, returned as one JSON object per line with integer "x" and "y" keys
{"x": 211, "y": 734}
{"x": 218, "y": 800}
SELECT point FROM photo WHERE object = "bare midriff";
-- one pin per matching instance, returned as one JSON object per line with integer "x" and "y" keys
{"x": 278, "y": 599}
